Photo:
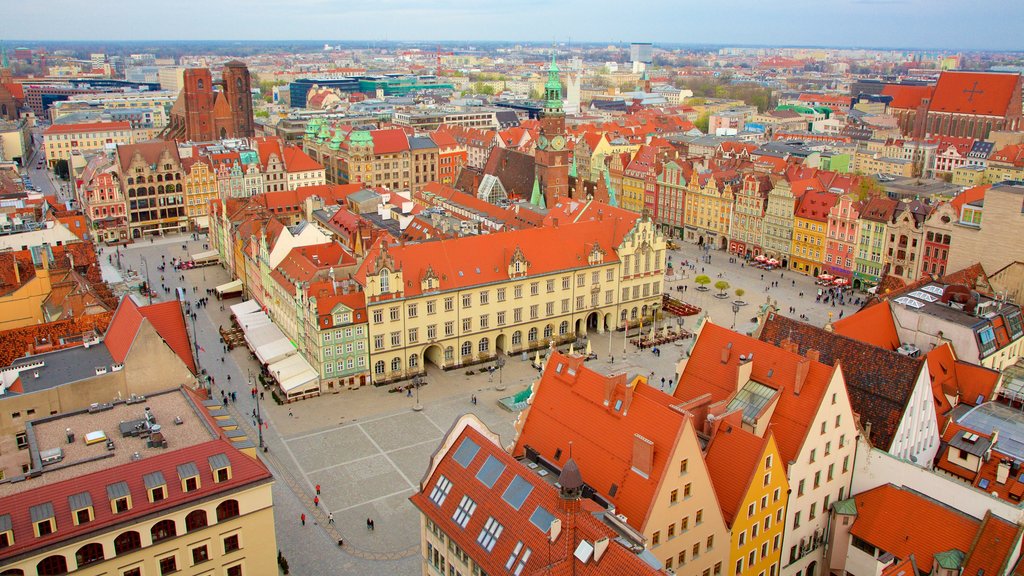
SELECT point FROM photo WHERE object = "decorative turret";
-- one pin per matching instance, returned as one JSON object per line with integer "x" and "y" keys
{"x": 553, "y": 89}
{"x": 571, "y": 481}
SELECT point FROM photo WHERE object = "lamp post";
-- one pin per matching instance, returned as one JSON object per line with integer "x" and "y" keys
{"x": 735, "y": 310}
{"x": 500, "y": 363}
{"x": 417, "y": 381}
{"x": 149, "y": 285}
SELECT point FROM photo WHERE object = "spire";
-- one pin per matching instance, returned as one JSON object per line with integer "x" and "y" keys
{"x": 537, "y": 198}
{"x": 553, "y": 88}
{"x": 572, "y": 167}
{"x": 612, "y": 200}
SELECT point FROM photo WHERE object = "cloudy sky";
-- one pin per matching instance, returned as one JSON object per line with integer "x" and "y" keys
{"x": 950, "y": 24}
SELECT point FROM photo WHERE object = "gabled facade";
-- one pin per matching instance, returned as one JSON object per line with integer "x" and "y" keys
{"x": 152, "y": 177}
{"x": 746, "y": 230}
{"x": 938, "y": 234}
{"x": 710, "y": 200}
{"x": 671, "y": 205}
{"x": 841, "y": 236}
{"x": 778, "y": 222}
{"x": 874, "y": 218}
{"x": 905, "y": 239}
{"x": 810, "y": 223}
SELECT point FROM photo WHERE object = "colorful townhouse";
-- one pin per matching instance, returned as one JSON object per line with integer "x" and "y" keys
{"x": 842, "y": 235}
{"x": 810, "y": 222}
{"x": 870, "y": 261}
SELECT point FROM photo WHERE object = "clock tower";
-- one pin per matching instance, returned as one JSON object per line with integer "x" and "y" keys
{"x": 551, "y": 158}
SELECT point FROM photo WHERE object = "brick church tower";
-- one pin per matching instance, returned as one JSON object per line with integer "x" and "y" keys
{"x": 197, "y": 96}
{"x": 551, "y": 158}
{"x": 8, "y": 103}
{"x": 238, "y": 91}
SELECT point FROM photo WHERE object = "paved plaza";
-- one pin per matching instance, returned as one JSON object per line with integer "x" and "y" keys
{"x": 367, "y": 448}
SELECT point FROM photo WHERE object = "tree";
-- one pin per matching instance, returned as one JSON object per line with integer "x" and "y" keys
{"x": 722, "y": 286}
{"x": 702, "y": 282}
{"x": 702, "y": 122}
{"x": 868, "y": 188}
{"x": 481, "y": 88}
{"x": 535, "y": 93}
{"x": 61, "y": 169}
{"x": 740, "y": 292}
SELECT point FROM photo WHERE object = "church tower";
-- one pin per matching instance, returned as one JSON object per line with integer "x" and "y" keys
{"x": 551, "y": 158}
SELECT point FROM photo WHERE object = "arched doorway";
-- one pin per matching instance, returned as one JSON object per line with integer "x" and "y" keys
{"x": 434, "y": 355}
{"x": 499, "y": 344}
{"x": 812, "y": 568}
{"x": 700, "y": 240}
{"x": 724, "y": 243}
{"x": 785, "y": 262}
{"x": 592, "y": 319}
{"x": 816, "y": 272}
{"x": 136, "y": 234}
{"x": 609, "y": 321}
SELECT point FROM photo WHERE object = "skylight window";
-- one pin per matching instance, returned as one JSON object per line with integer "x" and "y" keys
{"x": 490, "y": 471}
{"x": 466, "y": 452}
{"x": 489, "y": 535}
{"x": 542, "y": 519}
{"x": 441, "y": 490}
{"x": 464, "y": 512}
{"x": 517, "y": 492}
{"x": 923, "y": 296}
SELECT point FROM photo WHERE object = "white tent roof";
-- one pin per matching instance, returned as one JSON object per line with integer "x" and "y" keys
{"x": 247, "y": 307}
{"x": 199, "y": 256}
{"x": 268, "y": 342}
{"x": 295, "y": 375}
{"x": 232, "y": 286}
{"x": 274, "y": 351}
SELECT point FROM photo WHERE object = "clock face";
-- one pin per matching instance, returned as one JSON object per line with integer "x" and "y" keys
{"x": 542, "y": 142}
{"x": 558, "y": 142}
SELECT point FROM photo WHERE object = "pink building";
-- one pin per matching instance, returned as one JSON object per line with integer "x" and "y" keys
{"x": 99, "y": 193}
{"x": 841, "y": 236}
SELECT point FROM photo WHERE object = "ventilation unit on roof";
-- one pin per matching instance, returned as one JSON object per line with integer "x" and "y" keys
{"x": 909, "y": 350}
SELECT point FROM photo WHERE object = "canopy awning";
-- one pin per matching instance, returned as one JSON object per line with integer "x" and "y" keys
{"x": 204, "y": 256}
{"x": 233, "y": 286}
{"x": 295, "y": 376}
{"x": 268, "y": 342}
{"x": 244, "y": 308}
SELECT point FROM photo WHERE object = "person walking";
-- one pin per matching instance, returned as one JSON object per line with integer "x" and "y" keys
{"x": 330, "y": 520}
{"x": 317, "y": 489}
{"x": 367, "y": 523}
{"x": 302, "y": 518}
{"x": 316, "y": 501}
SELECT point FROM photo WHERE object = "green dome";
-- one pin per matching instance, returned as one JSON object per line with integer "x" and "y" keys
{"x": 361, "y": 137}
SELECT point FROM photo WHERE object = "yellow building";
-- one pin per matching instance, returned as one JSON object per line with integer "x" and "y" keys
{"x": 22, "y": 305}
{"x": 749, "y": 477}
{"x": 60, "y": 140}
{"x": 200, "y": 189}
{"x": 710, "y": 199}
{"x": 465, "y": 300}
{"x": 810, "y": 225}
{"x": 107, "y": 511}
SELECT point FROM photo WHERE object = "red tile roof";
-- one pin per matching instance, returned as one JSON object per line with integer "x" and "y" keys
{"x": 476, "y": 260}
{"x": 87, "y": 127}
{"x": 168, "y": 320}
{"x": 903, "y": 522}
{"x": 907, "y": 97}
{"x": 873, "y": 325}
{"x": 295, "y": 160}
{"x": 244, "y": 471}
{"x": 546, "y": 557}
{"x": 123, "y": 328}
{"x": 733, "y": 457}
{"x": 390, "y": 141}
{"x": 984, "y": 93}
{"x": 969, "y": 196}
{"x": 815, "y": 206}
{"x": 705, "y": 373}
{"x": 568, "y": 394}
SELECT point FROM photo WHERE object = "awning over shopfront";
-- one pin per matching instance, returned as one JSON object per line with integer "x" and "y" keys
{"x": 233, "y": 287}
{"x": 295, "y": 376}
{"x": 208, "y": 256}
{"x": 247, "y": 307}
{"x": 268, "y": 342}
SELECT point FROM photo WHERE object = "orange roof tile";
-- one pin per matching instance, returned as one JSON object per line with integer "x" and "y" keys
{"x": 873, "y": 325}
{"x": 907, "y": 97}
{"x": 87, "y": 127}
{"x": 969, "y": 196}
{"x": 984, "y": 93}
{"x": 168, "y": 319}
{"x": 123, "y": 328}
{"x": 903, "y": 522}
{"x": 295, "y": 160}
{"x": 732, "y": 458}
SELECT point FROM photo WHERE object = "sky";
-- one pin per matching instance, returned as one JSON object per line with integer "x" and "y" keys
{"x": 933, "y": 24}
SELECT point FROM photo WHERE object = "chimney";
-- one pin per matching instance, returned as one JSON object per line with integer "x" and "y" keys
{"x": 609, "y": 389}
{"x": 629, "y": 396}
{"x": 600, "y": 546}
{"x": 867, "y": 431}
{"x": 1003, "y": 471}
{"x": 813, "y": 355}
{"x": 556, "y": 530}
{"x": 17, "y": 271}
{"x": 726, "y": 353}
{"x": 743, "y": 369}
{"x": 802, "y": 368}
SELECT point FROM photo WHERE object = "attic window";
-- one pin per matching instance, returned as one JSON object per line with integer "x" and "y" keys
{"x": 156, "y": 486}
{"x": 81, "y": 507}
{"x": 221, "y": 467}
{"x": 120, "y": 497}
{"x": 618, "y": 404}
{"x": 43, "y": 520}
{"x": 188, "y": 474}
{"x": 6, "y": 531}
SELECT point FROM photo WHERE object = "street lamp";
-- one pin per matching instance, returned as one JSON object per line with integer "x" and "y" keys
{"x": 500, "y": 363}
{"x": 417, "y": 381}
{"x": 259, "y": 416}
{"x": 735, "y": 310}
{"x": 149, "y": 284}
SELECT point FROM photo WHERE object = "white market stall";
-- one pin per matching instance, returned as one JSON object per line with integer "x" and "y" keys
{"x": 296, "y": 377}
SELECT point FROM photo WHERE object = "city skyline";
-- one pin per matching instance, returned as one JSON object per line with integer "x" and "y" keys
{"x": 907, "y": 24}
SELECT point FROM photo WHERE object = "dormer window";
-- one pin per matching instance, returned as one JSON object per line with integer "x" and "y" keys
{"x": 221, "y": 467}
{"x": 44, "y": 522}
{"x": 188, "y": 474}
{"x": 6, "y": 531}
{"x": 120, "y": 497}
{"x": 156, "y": 486}
{"x": 81, "y": 508}
{"x": 385, "y": 281}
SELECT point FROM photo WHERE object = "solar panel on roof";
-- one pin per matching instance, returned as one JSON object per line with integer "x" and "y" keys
{"x": 542, "y": 519}
{"x": 490, "y": 471}
{"x": 517, "y": 492}
{"x": 466, "y": 452}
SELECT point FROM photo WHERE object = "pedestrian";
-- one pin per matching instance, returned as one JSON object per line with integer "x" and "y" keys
{"x": 225, "y": 402}
{"x": 290, "y": 415}
{"x": 318, "y": 489}
{"x": 316, "y": 501}
{"x": 373, "y": 525}
{"x": 330, "y": 520}
{"x": 302, "y": 517}
{"x": 261, "y": 395}
{"x": 234, "y": 395}
{"x": 367, "y": 523}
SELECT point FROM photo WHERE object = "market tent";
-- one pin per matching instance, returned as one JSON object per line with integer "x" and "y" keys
{"x": 295, "y": 376}
{"x": 268, "y": 342}
{"x": 209, "y": 255}
{"x": 230, "y": 287}
{"x": 247, "y": 307}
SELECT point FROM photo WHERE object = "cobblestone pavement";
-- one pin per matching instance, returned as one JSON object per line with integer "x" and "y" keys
{"x": 367, "y": 448}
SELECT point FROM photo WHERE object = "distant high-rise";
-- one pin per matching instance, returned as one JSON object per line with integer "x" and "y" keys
{"x": 641, "y": 52}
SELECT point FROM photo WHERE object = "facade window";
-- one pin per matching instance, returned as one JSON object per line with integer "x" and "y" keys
{"x": 231, "y": 543}
{"x": 163, "y": 530}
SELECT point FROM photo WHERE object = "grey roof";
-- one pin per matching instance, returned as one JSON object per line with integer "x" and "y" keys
{"x": 80, "y": 501}
{"x": 978, "y": 447}
{"x": 421, "y": 143}
{"x": 187, "y": 470}
{"x": 1009, "y": 422}
{"x": 5, "y": 523}
{"x": 218, "y": 461}
{"x": 41, "y": 512}
{"x": 63, "y": 366}
{"x": 363, "y": 196}
{"x": 118, "y": 490}
{"x": 154, "y": 479}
